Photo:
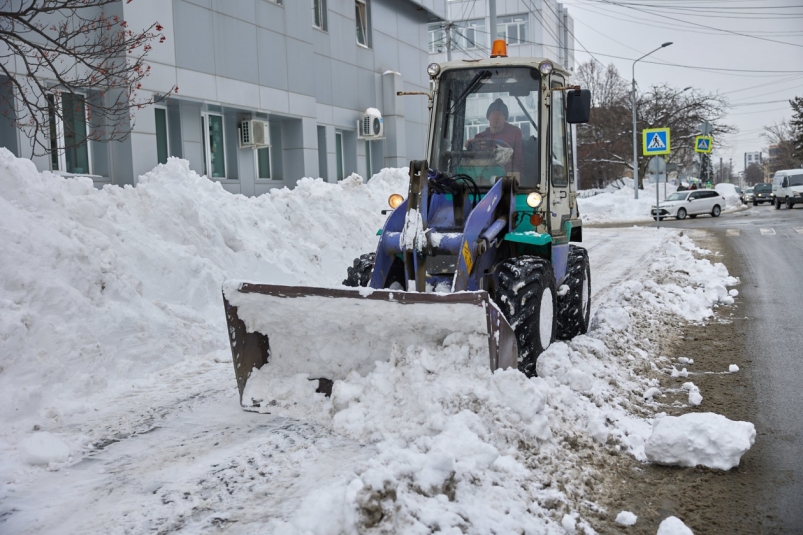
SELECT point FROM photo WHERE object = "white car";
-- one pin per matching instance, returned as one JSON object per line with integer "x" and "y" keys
{"x": 787, "y": 187}
{"x": 690, "y": 203}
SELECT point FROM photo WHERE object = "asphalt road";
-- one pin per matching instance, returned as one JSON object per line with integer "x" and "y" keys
{"x": 768, "y": 248}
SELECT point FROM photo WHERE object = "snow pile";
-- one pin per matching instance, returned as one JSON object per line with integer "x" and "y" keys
{"x": 672, "y": 525}
{"x": 100, "y": 288}
{"x": 732, "y": 200}
{"x": 693, "y": 439}
{"x": 733, "y": 368}
{"x": 115, "y": 294}
{"x": 620, "y": 205}
{"x": 626, "y": 518}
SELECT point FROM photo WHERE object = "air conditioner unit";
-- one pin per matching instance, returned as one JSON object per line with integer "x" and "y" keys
{"x": 371, "y": 126}
{"x": 254, "y": 133}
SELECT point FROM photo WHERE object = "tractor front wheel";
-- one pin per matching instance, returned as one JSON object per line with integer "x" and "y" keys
{"x": 574, "y": 307}
{"x": 525, "y": 292}
{"x": 360, "y": 273}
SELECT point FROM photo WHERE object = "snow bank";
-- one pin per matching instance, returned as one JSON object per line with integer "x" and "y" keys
{"x": 705, "y": 439}
{"x": 117, "y": 292}
{"x": 732, "y": 200}
{"x": 619, "y": 205}
{"x": 103, "y": 287}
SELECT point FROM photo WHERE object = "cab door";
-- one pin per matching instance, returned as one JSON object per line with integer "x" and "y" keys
{"x": 558, "y": 164}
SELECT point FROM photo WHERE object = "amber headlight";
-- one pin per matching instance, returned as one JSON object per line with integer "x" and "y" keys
{"x": 395, "y": 200}
{"x": 534, "y": 200}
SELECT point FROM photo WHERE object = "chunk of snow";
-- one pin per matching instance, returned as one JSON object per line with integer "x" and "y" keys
{"x": 43, "y": 448}
{"x": 733, "y": 368}
{"x": 563, "y": 290}
{"x": 651, "y": 392}
{"x": 695, "y": 398}
{"x": 733, "y": 293}
{"x": 569, "y": 524}
{"x": 685, "y": 360}
{"x": 705, "y": 439}
{"x": 681, "y": 373}
{"x": 626, "y": 518}
{"x": 691, "y": 387}
{"x": 673, "y": 526}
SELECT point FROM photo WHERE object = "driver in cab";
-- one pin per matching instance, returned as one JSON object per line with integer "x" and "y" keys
{"x": 499, "y": 130}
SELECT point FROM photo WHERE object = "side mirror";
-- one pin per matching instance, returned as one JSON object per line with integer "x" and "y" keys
{"x": 578, "y": 106}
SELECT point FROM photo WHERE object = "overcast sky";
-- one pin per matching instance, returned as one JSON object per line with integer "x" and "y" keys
{"x": 608, "y": 28}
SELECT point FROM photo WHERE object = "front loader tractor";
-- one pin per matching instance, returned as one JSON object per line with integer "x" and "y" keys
{"x": 480, "y": 244}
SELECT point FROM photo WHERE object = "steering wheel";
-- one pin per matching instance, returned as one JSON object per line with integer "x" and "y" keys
{"x": 486, "y": 143}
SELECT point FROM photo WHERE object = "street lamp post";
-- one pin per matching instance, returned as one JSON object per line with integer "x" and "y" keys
{"x": 635, "y": 140}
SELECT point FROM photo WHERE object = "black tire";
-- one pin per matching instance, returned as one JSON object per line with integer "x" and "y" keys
{"x": 574, "y": 308}
{"x": 521, "y": 285}
{"x": 692, "y": 216}
{"x": 360, "y": 273}
{"x": 681, "y": 214}
{"x": 789, "y": 203}
{"x": 716, "y": 211}
{"x": 777, "y": 204}
{"x": 755, "y": 203}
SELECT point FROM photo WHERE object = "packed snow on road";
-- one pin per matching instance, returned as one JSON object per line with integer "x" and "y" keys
{"x": 122, "y": 414}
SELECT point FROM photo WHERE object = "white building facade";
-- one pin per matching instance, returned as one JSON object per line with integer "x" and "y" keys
{"x": 531, "y": 28}
{"x": 751, "y": 158}
{"x": 308, "y": 68}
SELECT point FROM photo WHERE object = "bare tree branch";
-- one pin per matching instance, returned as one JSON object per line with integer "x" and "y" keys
{"x": 606, "y": 142}
{"x": 76, "y": 48}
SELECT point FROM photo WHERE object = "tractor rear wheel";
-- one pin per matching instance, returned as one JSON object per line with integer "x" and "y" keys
{"x": 574, "y": 307}
{"x": 525, "y": 292}
{"x": 360, "y": 273}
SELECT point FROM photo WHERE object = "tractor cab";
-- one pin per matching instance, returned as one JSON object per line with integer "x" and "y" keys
{"x": 509, "y": 117}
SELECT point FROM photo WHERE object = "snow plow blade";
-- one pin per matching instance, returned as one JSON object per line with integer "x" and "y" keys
{"x": 328, "y": 332}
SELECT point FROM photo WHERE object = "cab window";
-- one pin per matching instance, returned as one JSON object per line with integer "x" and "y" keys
{"x": 558, "y": 158}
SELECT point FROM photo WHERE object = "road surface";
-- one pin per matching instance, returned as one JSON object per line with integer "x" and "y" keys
{"x": 766, "y": 246}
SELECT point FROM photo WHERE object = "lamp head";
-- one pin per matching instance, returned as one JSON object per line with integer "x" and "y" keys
{"x": 666, "y": 44}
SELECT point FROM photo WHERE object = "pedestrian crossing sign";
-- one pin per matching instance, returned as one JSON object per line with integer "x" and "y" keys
{"x": 703, "y": 144}
{"x": 655, "y": 141}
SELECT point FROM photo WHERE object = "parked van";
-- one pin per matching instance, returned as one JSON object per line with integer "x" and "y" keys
{"x": 787, "y": 187}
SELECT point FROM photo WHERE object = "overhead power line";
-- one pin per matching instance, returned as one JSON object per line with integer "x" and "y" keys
{"x": 619, "y": 4}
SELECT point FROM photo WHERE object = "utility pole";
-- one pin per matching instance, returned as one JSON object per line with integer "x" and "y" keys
{"x": 449, "y": 41}
{"x": 492, "y": 14}
{"x": 635, "y": 129}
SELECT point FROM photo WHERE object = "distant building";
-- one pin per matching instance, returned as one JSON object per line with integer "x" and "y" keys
{"x": 751, "y": 158}
{"x": 540, "y": 28}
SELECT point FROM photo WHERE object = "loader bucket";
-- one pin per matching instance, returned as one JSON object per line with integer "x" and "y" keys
{"x": 328, "y": 332}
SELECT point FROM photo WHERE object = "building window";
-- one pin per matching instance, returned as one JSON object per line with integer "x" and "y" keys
{"x": 512, "y": 29}
{"x": 212, "y": 142}
{"x": 54, "y": 133}
{"x": 263, "y": 163}
{"x": 361, "y": 11}
{"x": 437, "y": 39}
{"x": 319, "y": 14}
{"x": 369, "y": 171}
{"x": 68, "y": 133}
{"x": 470, "y": 34}
{"x": 161, "y": 135}
{"x": 339, "y": 154}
